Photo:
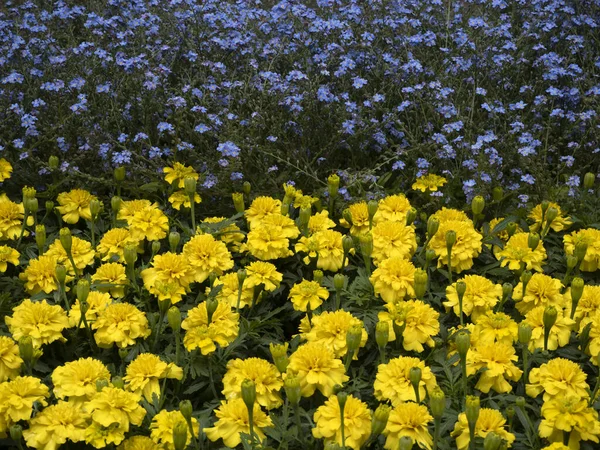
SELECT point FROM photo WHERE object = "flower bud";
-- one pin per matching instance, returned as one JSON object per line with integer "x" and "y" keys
{"x": 333, "y": 185}
{"x": 544, "y": 206}
{"x": 291, "y": 384}
{"x": 353, "y": 338}
{"x": 61, "y": 274}
{"x": 82, "y": 290}
{"x": 450, "y": 239}
{"x": 463, "y": 343}
{"x": 95, "y": 207}
{"x": 372, "y": 207}
{"x": 174, "y": 318}
{"x": 524, "y": 333}
{"x": 279, "y": 355}
{"x": 507, "y": 289}
{"x": 241, "y": 276}
{"x": 342, "y": 397}
{"x": 119, "y": 174}
{"x": 339, "y": 280}
{"x": 304, "y": 217}
{"x": 510, "y": 412}
{"x": 421, "y": 279}
{"x": 318, "y": 276}
{"x": 429, "y": 255}
{"x": 28, "y": 193}
{"x": 238, "y": 202}
{"x": 66, "y": 239}
{"x": 347, "y": 215}
{"x": 511, "y": 228}
{"x": 497, "y": 193}
{"x": 461, "y": 288}
{"x": 285, "y": 207}
{"x": 433, "y": 224}
{"x": 186, "y": 410}
{"x": 520, "y": 402}
{"x": 101, "y": 384}
{"x": 180, "y": 437}
{"x": 332, "y": 445}
{"x": 246, "y": 187}
{"x": 123, "y": 353}
{"x": 32, "y": 205}
{"x": 40, "y": 235}
{"x": 415, "y": 377}
{"x": 477, "y": 205}
{"x": 549, "y": 318}
{"x": 155, "y": 247}
{"x": 525, "y": 279}
{"x": 118, "y": 382}
{"x": 492, "y": 441}
{"x": 211, "y": 307}
{"x": 26, "y": 348}
{"x": 366, "y": 244}
{"x": 16, "y": 433}
{"x": 382, "y": 334}
{"x": 380, "y": 419}
{"x": 49, "y": 205}
{"x": 437, "y": 402}
{"x": 405, "y": 443}
{"x": 571, "y": 262}
{"x": 584, "y": 336}
{"x": 115, "y": 204}
{"x": 130, "y": 255}
{"x": 577, "y": 286}
{"x": 551, "y": 214}
{"x": 588, "y": 180}
{"x": 580, "y": 250}
{"x": 472, "y": 408}
{"x": 249, "y": 393}
{"x": 174, "y": 239}
{"x": 347, "y": 244}
{"x": 53, "y": 162}
{"x": 411, "y": 216}
{"x": 533, "y": 240}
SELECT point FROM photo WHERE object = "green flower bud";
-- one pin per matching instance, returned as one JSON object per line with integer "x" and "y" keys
{"x": 520, "y": 402}
{"x": 421, "y": 279}
{"x": 49, "y": 205}
{"x": 584, "y": 337}
{"x": 279, "y": 355}
{"x": 353, "y": 338}
{"x": 174, "y": 239}
{"x": 461, "y": 288}
{"x": 28, "y": 193}
{"x": 429, "y": 255}
{"x": 372, "y": 207}
{"x": 155, "y": 247}
{"x": 492, "y": 441}
{"x": 510, "y": 412}
{"x": 174, "y": 318}
{"x": 95, "y": 207}
{"x": 347, "y": 244}
{"x": 411, "y": 215}
{"x": 101, "y": 384}
{"x": 123, "y": 353}
{"x": 339, "y": 280}
{"x": 380, "y": 419}
{"x": 118, "y": 382}
{"x": 83, "y": 290}
{"x": 415, "y": 377}
{"x": 366, "y": 244}
{"x": 246, "y": 187}
{"x": 472, "y": 409}
{"x": 241, "y": 275}
{"x": 347, "y": 215}
{"x": 61, "y": 274}
{"x": 318, "y": 276}
{"x": 533, "y": 240}
{"x": 507, "y": 290}
{"x": 32, "y": 205}
{"x": 580, "y": 251}
{"x": 130, "y": 255}
{"x": 342, "y": 397}
{"x": 211, "y": 307}
{"x": 16, "y": 433}
{"x": 511, "y": 228}
{"x": 53, "y": 162}
{"x": 66, "y": 239}
{"x": 437, "y": 402}
{"x": 571, "y": 262}
{"x": 115, "y": 204}
{"x": 463, "y": 343}
{"x": 304, "y": 217}
{"x": 588, "y": 180}
{"x": 186, "y": 410}
{"x": 291, "y": 384}
{"x": 433, "y": 225}
{"x": 551, "y": 214}
{"x": 333, "y": 185}
{"x": 544, "y": 206}
{"x": 119, "y": 174}
{"x": 525, "y": 279}
{"x": 524, "y": 333}
{"x": 577, "y": 286}
{"x": 450, "y": 239}
{"x": 180, "y": 437}
{"x": 477, "y": 205}
{"x": 332, "y": 445}
{"x": 238, "y": 202}
{"x": 26, "y": 348}
{"x": 189, "y": 185}
{"x": 497, "y": 193}
{"x": 249, "y": 393}
{"x": 406, "y": 443}
{"x": 549, "y": 318}
{"x": 40, "y": 235}
{"x": 382, "y": 334}
{"x": 285, "y": 207}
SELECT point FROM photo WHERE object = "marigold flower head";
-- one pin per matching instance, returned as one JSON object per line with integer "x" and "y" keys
{"x": 260, "y": 208}
{"x": 588, "y": 303}
{"x": 112, "y": 245}
{"x": 307, "y": 295}
{"x": 18, "y": 397}
{"x": 128, "y": 208}
{"x": 360, "y": 219}
{"x": 497, "y": 361}
{"x": 99, "y": 436}
{"x": 316, "y": 367}
{"x": 230, "y": 289}
{"x": 266, "y": 378}
{"x": 559, "y": 377}
{"x": 411, "y": 420}
{"x": 590, "y": 237}
{"x": 569, "y": 414}
{"x": 394, "y": 279}
{"x": 96, "y": 302}
{"x": 8, "y": 255}
{"x": 262, "y": 273}
{"x": 113, "y": 276}
{"x": 5, "y": 170}
{"x": 113, "y": 406}
{"x": 429, "y": 182}
{"x": 11, "y": 218}
{"x": 489, "y": 420}
{"x": 200, "y": 334}
{"x": 541, "y": 290}
{"x": 516, "y": 252}
{"x": 41, "y": 321}
{"x": 233, "y": 420}
{"x": 180, "y": 198}
{"x": 357, "y": 422}
{"x": 560, "y": 223}
{"x": 55, "y": 425}
{"x": 481, "y": 296}
{"x": 392, "y": 208}
{"x": 420, "y": 322}
{"x": 327, "y": 246}
{"x": 82, "y": 252}
{"x": 168, "y": 268}
{"x": 74, "y": 205}
{"x": 144, "y": 372}
{"x": 393, "y": 240}
{"x": 139, "y": 443}
{"x": 560, "y": 332}
{"x": 207, "y": 255}
{"x": 10, "y": 360}
{"x": 76, "y": 380}
{"x": 40, "y": 275}
{"x": 494, "y": 327}
{"x": 320, "y": 222}
{"x": 393, "y": 380}
{"x": 448, "y": 214}
{"x": 330, "y": 329}
{"x": 271, "y": 239}
{"x": 149, "y": 223}
{"x": 230, "y": 234}
{"x": 467, "y": 246}
{"x": 161, "y": 428}
{"x": 120, "y": 324}
{"x": 177, "y": 174}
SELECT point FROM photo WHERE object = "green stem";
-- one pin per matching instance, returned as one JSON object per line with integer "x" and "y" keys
{"x": 193, "y": 214}
{"x": 343, "y": 428}
{"x": 25, "y": 216}
{"x": 381, "y": 355}
{"x": 93, "y": 235}
{"x": 161, "y": 317}
{"x": 436, "y": 432}
{"x": 463, "y": 366}
{"x": 298, "y": 420}
{"x": 450, "y": 267}
{"x": 338, "y": 300}
{"x": 525, "y": 366}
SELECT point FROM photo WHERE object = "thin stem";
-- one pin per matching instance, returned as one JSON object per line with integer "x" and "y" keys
{"x": 463, "y": 366}
{"x": 450, "y": 266}
{"x": 525, "y": 365}
{"x": 436, "y": 432}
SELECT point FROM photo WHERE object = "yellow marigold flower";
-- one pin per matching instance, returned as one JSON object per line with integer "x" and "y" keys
{"x": 40, "y": 275}
{"x": 177, "y": 174}
{"x": 180, "y": 198}
{"x": 270, "y": 240}
{"x": 393, "y": 240}
{"x": 541, "y": 290}
{"x": 411, "y": 420}
{"x": 260, "y": 208}
{"x": 206, "y": 255}
{"x": 112, "y": 245}
{"x": 114, "y": 406}
{"x": 569, "y": 414}
{"x": 330, "y": 329}
{"x": 139, "y": 443}
{"x": 113, "y": 275}
{"x": 55, "y": 425}
{"x": 420, "y": 322}
{"x": 262, "y": 273}
{"x": 394, "y": 279}
{"x": 265, "y": 376}
{"x": 517, "y": 252}
{"x": 230, "y": 234}
{"x": 5, "y": 170}
{"x": 99, "y": 436}
{"x": 130, "y": 207}
{"x": 488, "y": 420}
{"x": 588, "y": 303}
{"x": 327, "y": 245}
{"x": 229, "y": 291}
{"x": 559, "y": 377}
{"x": 121, "y": 324}
{"x": 357, "y": 422}
{"x": 594, "y": 344}
{"x": 481, "y": 296}
{"x": 560, "y": 223}
{"x": 11, "y": 218}
{"x": 144, "y": 372}
{"x": 393, "y": 380}
{"x": 172, "y": 269}
{"x": 233, "y": 420}
{"x": 149, "y": 223}
{"x": 74, "y": 205}
{"x": 429, "y": 182}
{"x": 82, "y": 252}
{"x": 96, "y": 303}
{"x": 360, "y": 218}
{"x": 162, "y": 428}
{"x": 320, "y": 222}
{"x": 304, "y": 201}
{"x": 222, "y": 329}
{"x": 18, "y": 397}
{"x": 8, "y": 255}
{"x": 557, "y": 446}
{"x": 316, "y": 367}
{"x": 494, "y": 327}
{"x": 497, "y": 361}
{"x": 308, "y": 295}
{"x": 591, "y": 237}
{"x": 10, "y": 361}
{"x": 392, "y": 208}
{"x": 468, "y": 244}
{"x": 76, "y": 380}
{"x": 44, "y": 323}
{"x": 447, "y": 214}
{"x": 559, "y": 333}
